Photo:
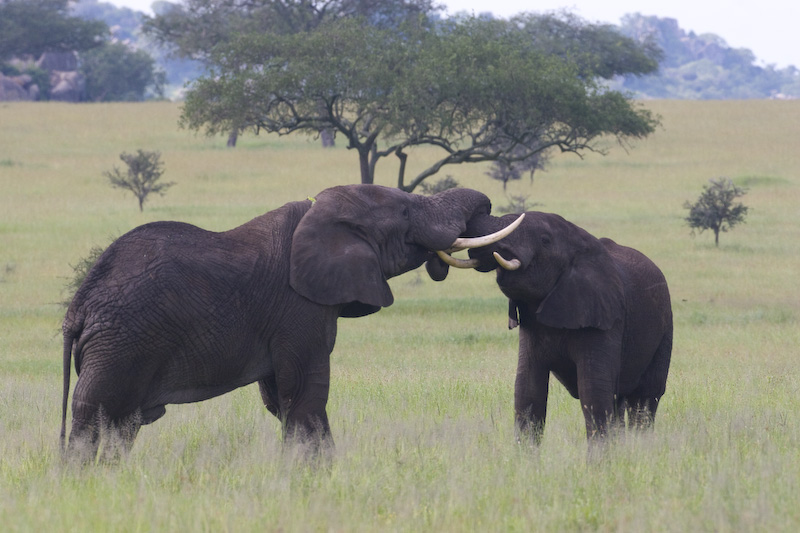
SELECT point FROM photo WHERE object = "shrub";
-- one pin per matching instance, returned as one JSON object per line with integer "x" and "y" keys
{"x": 79, "y": 272}
{"x": 144, "y": 172}
{"x": 715, "y": 209}
{"x": 448, "y": 182}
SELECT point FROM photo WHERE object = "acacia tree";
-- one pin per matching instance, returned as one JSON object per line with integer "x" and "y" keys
{"x": 597, "y": 50}
{"x": 476, "y": 89}
{"x": 195, "y": 28}
{"x": 142, "y": 177}
{"x": 715, "y": 208}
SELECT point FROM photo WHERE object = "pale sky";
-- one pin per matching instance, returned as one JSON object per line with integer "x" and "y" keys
{"x": 769, "y": 28}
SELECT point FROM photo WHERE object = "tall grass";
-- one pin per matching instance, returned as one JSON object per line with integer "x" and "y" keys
{"x": 421, "y": 397}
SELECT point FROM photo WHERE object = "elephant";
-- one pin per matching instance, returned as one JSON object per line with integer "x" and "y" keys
{"x": 172, "y": 313}
{"x": 595, "y": 314}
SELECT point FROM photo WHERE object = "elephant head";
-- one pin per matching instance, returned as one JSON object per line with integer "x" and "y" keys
{"x": 564, "y": 274}
{"x": 354, "y": 238}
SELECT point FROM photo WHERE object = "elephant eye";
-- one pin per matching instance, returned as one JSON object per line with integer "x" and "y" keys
{"x": 405, "y": 212}
{"x": 546, "y": 240}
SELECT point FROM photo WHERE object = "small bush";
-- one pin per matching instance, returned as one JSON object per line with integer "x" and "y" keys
{"x": 715, "y": 209}
{"x": 517, "y": 203}
{"x": 144, "y": 172}
{"x": 448, "y": 182}
{"x": 79, "y": 272}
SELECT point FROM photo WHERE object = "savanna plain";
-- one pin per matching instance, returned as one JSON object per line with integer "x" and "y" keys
{"x": 421, "y": 402}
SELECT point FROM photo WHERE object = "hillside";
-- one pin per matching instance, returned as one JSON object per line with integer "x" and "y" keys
{"x": 704, "y": 67}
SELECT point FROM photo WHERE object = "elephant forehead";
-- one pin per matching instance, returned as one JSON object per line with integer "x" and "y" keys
{"x": 364, "y": 195}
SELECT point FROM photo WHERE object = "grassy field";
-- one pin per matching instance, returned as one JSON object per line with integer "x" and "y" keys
{"x": 422, "y": 392}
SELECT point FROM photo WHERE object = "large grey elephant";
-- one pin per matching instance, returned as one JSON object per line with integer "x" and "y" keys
{"x": 595, "y": 314}
{"x": 172, "y": 313}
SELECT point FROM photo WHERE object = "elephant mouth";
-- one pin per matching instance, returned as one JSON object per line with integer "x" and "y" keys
{"x": 465, "y": 243}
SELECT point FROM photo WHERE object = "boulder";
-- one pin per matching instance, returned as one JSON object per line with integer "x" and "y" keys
{"x": 11, "y": 90}
{"x": 67, "y": 86}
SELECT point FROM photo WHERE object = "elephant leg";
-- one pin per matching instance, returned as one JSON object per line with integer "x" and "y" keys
{"x": 621, "y": 407}
{"x": 596, "y": 394}
{"x": 269, "y": 395}
{"x": 84, "y": 437}
{"x": 643, "y": 402}
{"x": 119, "y": 436}
{"x": 302, "y": 396}
{"x": 530, "y": 393}
{"x": 530, "y": 404}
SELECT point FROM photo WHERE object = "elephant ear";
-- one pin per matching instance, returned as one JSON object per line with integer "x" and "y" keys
{"x": 589, "y": 294}
{"x": 332, "y": 264}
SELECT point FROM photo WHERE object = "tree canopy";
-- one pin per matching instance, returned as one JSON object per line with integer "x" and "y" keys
{"x": 476, "y": 89}
{"x": 115, "y": 73}
{"x": 32, "y": 27}
{"x": 195, "y": 27}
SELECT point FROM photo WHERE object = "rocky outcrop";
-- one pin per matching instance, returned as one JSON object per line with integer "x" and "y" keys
{"x": 67, "y": 86}
{"x": 12, "y": 89}
{"x": 66, "y": 83}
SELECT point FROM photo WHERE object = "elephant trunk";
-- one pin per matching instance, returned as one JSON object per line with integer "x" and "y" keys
{"x": 447, "y": 214}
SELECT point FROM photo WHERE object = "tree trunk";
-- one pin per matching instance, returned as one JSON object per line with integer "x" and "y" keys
{"x": 328, "y": 140}
{"x": 233, "y": 137}
{"x": 401, "y": 172}
{"x": 363, "y": 160}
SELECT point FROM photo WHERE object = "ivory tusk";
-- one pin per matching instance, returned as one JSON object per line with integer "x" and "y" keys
{"x": 512, "y": 264}
{"x": 455, "y": 262}
{"x": 477, "y": 242}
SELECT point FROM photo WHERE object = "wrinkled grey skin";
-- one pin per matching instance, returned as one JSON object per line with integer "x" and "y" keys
{"x": 595, "y": 314}
{"x": 172, "y": 313}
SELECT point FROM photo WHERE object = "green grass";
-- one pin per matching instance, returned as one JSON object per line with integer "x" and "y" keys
{"x": 422, "y": 392}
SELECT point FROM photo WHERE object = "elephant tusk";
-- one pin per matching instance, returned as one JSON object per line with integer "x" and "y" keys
{"x": 477, "y": 242}
{"x": 512, "y": 264}
{"x": 455, "y": 262}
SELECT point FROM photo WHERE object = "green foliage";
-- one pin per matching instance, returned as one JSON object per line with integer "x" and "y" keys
{"x": 194, "y": 28}
{"x": 38, "y": 76}
{"x": 79, "y": 272}
{"x": 32, "y": 27}
{"x": 477, "y": 90}
{"x": 599, "y": 50}
{"x": 448, "y": 182}
{"x": 715, "y": 208}
{"x": 116, "y": 73}
{"x": 142, "y": 177}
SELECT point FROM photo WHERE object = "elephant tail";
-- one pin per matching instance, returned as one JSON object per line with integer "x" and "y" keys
{"x": 69, "y": 339}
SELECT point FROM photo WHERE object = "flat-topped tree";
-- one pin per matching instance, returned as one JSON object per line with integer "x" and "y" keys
{"x": 476, "y": 89}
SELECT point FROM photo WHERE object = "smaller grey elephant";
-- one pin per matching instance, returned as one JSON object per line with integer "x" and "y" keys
{"x": 595, "y": 314}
